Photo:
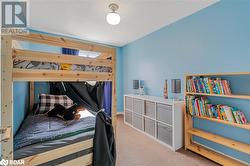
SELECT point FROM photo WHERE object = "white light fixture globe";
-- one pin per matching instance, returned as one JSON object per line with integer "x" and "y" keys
{"x": 113, "y": 18}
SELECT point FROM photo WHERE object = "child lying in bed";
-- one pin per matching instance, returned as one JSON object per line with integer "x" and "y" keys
{"x": 72, "y": 113}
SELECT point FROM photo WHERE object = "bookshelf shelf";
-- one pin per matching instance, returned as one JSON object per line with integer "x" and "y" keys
{"x": 239, "y": 146}
{"x": 218, "y": 74}
{"x": 227, "y": 142}
{"x": 244, "y": 126}
{"x": 212, "y": 155}
{"x": 220, "y": 95}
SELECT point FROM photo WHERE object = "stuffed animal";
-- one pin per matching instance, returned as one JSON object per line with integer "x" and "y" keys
{"x": 66, "y": 67}
{"x": 71, "y": 113}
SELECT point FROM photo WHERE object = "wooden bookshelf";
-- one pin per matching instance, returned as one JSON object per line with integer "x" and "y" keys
{"x": 220, "y": 95}
{"x": 227, "y": 142}
{"x": 243, "y": 126}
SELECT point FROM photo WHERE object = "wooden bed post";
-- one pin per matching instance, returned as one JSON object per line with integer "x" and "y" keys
{"x": 32, "y": 94}
{"x": 114, "y": 88}
{"x": 188, "y": 121}
{"x": 7, "y": 94}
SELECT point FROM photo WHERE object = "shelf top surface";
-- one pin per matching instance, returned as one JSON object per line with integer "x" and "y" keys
{"x": 220, "y": 95}
{"x": 155, "y": 99}
{"x": 244, "y": 126}
{"x": 220, "y": 74}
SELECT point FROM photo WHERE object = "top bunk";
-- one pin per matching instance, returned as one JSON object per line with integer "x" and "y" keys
{"x": 101, "y": 68}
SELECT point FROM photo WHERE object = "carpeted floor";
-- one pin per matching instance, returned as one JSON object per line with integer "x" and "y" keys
{"x": 137, "y": 149}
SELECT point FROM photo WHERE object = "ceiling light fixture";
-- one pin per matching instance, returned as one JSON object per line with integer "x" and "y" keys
{"x": 113, "y": 18}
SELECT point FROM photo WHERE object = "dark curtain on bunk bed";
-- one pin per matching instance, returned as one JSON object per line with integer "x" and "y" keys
{"x": 107, "y": 101}
{"x": 93, "y": 98}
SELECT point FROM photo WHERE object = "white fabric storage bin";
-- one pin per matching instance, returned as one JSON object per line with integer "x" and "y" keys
{"x": 128, "y": 116}
{"x": 137, "y": 121}
{"x": 138, "y": 106}
{"x": 149, "y": 126}
{"x": 164, "y": 113}
{"x": 164, "y": 133}
{"x": 150, "y": 109}
{"x": 129, "y": 103}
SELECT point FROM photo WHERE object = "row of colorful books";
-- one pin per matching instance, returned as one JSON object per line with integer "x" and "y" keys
{"x": 208, "y": 85}
{"x": 200, "y": 106}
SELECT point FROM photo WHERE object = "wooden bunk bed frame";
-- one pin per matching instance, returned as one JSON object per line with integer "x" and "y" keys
{"x": 10, "y": 74}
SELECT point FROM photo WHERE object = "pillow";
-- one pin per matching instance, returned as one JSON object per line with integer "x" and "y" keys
{"x": 47, "y": 102}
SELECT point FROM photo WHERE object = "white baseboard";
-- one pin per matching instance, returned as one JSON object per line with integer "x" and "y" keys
{"x": 119, "y": 113}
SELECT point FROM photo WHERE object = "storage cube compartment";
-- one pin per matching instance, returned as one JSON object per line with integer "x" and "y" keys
{"x": 128, "y": 116}
{"x": 164, "y": 133}
{"x": 138, "y": 106}
{"x": 164, "y": 113}
{"x": 137, "y": 121}
{"x": 128, "y": 103}
{"x": 149, "y": 126}
{"x": 150, "y": 109}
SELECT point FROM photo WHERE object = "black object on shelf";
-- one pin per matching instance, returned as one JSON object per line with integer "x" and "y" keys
{"x": 176, "y": 85}
{"x": 135, "y": 84}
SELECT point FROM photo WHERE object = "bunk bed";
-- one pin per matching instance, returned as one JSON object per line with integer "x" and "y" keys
{"x": 11, "y": 73}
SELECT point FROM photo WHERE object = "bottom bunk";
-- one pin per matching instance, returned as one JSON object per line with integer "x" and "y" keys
{"x": 44, "y": 140}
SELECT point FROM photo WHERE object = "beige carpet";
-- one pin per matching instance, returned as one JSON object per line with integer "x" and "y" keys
{"x": 137, "y": 149}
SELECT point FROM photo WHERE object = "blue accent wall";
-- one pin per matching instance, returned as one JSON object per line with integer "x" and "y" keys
{"x": 21, "y": 103}
{"x": 119, "y": 79}
{"x": 216, "y": 39}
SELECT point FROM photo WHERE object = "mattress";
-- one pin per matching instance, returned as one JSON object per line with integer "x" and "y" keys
{"x": 54, "y": 66}
{"x": 42, "y": 147}
{"x": 40, "y": 133}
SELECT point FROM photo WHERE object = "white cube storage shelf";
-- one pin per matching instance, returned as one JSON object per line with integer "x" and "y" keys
{"x": 161, "y": 119}
{"x": 149, "y": 126}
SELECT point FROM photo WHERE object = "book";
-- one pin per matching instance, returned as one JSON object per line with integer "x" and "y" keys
{"x": 214, "y": 111}
{"x": 205, "y": 80}
{"x": 219, "y": 112}
{"x": 213, "y": 86}
{"x": 210, "y": 86}
{"x": 236, "y": 117}
{"x": 229, "y": 114}
{"x": 223, "y": 114}
{"x": 216, "y": 84}
{"x": 221, "y": 86}
{"x": 242, "y": 117}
